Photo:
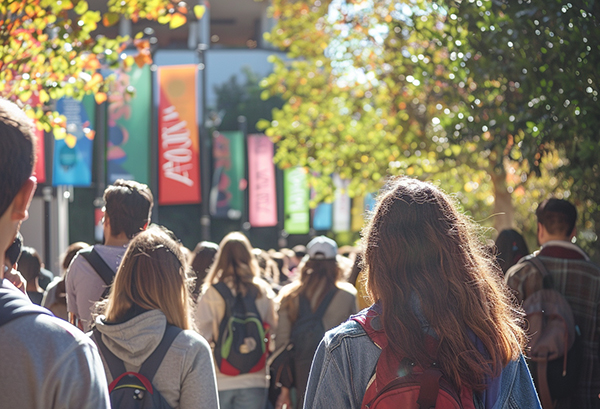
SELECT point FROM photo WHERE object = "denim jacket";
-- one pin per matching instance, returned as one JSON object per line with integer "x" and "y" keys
{"x": 346, "y": 357}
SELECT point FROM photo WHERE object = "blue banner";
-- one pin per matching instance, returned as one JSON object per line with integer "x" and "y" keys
{"x": 323, "y": 217}
{"x": 72, "y": 163}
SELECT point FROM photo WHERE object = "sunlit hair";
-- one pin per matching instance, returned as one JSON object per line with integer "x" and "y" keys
{"x": 152, "y": 276}
{"x": 69, "y": 254}
{"x": 234, "y": 261}
{"x": 422, "y": 254}
{"x": 201, "y": 260}
{"x": 317, "y": 276}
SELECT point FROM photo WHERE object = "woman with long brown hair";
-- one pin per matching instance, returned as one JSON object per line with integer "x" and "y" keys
{"x": 233, "y": 280}
{"x": 439, "y": 300}
{"x": 149, "y": 299}
{"x": 317, "y": 301}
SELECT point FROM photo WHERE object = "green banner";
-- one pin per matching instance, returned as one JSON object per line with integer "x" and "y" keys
{"x": 129, "y": 133}
{"x": 229, "y": 158}
{"x": 296, "y": 201}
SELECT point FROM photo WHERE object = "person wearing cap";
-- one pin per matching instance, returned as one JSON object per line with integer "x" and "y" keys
{"x": 320, "y": 279}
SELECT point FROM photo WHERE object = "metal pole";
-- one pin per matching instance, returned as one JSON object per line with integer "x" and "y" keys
{"x": 205, "y": 138}
{"x": 243, "y": 127}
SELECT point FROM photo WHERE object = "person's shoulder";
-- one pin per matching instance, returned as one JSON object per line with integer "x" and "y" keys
{"x": 346, "y": 288}
{"x": 190, "y": 340}
{"x": 346, "y": 331}
{"x": 51, "y": 331}
{"x": 521, "y": 268}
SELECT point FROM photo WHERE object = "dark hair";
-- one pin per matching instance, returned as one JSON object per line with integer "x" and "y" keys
{"x": 423, "y": 259}
{"x": 299, "y": 250}
{"x": 510, "y": 248}
{"x": 70, "y": 253}
{"x": 202, "y": 259}
{"x": 30, "y": 263}
{"x": 557, "y": 215}
{"x": 128, "y": 207}
{"x": 17, "y": 151}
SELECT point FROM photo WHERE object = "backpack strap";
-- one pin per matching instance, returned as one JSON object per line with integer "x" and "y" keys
{"x": 320, "y": 311}
{"x": 98, "y": 264}
{"x": 150, "y": 365}
{"x": 15, "y": 304}
{"x": 546, "y": 277}
{"x": 249, "y": 300}
{"x": 115, "y": 365}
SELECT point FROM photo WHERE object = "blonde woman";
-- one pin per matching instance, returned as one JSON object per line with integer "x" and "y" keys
{"x": 149, "y": 298}
{"x": 235, "y": 276}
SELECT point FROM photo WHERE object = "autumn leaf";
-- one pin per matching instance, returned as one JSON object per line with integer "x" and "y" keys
{"x": 100, "y": 97}
{"x": 199, "y": 11}
{"x": 110, "y": 19}
{"x": 177, "y": 20}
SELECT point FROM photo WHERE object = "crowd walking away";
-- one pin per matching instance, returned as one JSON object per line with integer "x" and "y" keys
{"x": 420, "y": 313}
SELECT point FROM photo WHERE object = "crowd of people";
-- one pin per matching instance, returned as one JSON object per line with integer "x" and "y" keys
{"x": 140, "y": 317}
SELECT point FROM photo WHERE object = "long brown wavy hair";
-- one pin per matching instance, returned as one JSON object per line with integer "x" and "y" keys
{"x": 151, "y": 275}
{"x": 315, "y": 275}
{"x": 234, "y": 261}
{"x": 422, "y": 254}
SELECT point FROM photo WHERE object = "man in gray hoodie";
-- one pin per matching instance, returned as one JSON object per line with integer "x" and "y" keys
{"x": 44, "y": 361}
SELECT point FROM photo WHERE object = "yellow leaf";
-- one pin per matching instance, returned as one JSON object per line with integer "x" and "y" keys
{"x": 70, "y": 140}
{"x": 139, "y": 35}
{"x": 44, "y": 97}
{"x": 177, "y": 20}
{"x": 25, "y": 95}
{"x": 100, "y": 97}
{"x": 60, "y": 133}
{"x": 199, "y": 11}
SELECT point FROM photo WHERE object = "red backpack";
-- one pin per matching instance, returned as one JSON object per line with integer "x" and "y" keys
{"x": 400, "y": 383}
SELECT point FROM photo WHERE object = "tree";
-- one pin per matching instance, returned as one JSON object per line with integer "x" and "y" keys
{"x": 49, "y": 50}
{"x": 416, "y": 88}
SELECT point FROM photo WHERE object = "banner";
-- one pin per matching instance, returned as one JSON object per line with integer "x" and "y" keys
{"x": 40, "y": 165}
{"x": 341, "y": 205}
{"x": 296, "y": 198}
{"x": 323, "y": 217}
{"x": 178, "y": 146}
{"x": 261, "y": 179}
{"x": 73, "y": 150}
{"x": 129, "y": 134}
{"x": 358, "y": 213}
{"x": 226, "y": 193}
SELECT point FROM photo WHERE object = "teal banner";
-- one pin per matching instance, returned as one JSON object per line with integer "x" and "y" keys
{"x": 129, "y": 132}
{"x": 229, "y": 158}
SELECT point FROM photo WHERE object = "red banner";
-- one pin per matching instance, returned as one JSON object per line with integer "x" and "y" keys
{"x": 261, "y": 175}
{"x": 40, "y": 165}
{"x": 178, "y": 146}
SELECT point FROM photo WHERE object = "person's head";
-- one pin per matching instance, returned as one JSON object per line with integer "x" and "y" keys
{"x": 234, "y": 261}
{"x": 510, "y": 247}
{"x": 152, "y": 276}
{"x": 30, "y": 264}
{"x": 556, "y": 220}
{"x": 202, "y": 258}
{"x": 128, "y": 207}
{"x": 423, "y": 259}
{"x": 70, "y": 253}
{"x": 299, "y": 253}
{"x": 319, "y": 273}
{"x": 17, "y": 158}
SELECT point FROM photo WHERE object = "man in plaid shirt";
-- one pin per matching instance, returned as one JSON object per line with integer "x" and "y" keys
{"x": 577, "y": 279}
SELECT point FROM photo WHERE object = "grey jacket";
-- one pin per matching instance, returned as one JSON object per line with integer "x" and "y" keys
{"x": 46, "y": 363}
{"x": 186, "y": 377}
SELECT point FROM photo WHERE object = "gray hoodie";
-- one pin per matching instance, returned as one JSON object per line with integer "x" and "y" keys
{"x": 185, "y": 378}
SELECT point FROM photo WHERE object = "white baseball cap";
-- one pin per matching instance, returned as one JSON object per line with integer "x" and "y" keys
{"x": 322, "y": 248}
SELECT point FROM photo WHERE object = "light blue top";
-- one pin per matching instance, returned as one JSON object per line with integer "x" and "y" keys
{"x": 346, "y": 357}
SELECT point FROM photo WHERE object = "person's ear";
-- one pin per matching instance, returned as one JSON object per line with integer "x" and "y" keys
{"x": 23, "y": 199}
{"x": 573, "y": 233}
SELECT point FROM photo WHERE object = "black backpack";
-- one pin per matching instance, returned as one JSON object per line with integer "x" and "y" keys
{"x": 307, "y": 332}
{"x": 556, "y": 353}
{"x": 100, "y": 266}
{"x": 15, "y": 304}
{"x": 134, "y": 389}
{"x": 242, "y": 345}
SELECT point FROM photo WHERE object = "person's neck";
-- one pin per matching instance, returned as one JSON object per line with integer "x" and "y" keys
{"x": 33, "y": 286}
{"x": 116, "y": 241}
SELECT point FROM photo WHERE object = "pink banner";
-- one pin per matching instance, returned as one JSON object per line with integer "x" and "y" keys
{"x": 261, "y": 175}
{"x": 40, "y": 166}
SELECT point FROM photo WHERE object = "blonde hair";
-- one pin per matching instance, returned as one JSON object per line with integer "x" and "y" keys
{"x": 152, "y": 275}
{"x": 234, "y": 261}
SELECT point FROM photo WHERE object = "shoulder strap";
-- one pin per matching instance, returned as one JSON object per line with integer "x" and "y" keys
{"x": 152, "y": 363}
{"x": 14, "y": 304}
{"x": 225, "y": 292}
{"x": 320, "y": 312}
{"x": 546, "y": 277}
{"x": 98, "y": 264}
{"x": 115, "y": 365}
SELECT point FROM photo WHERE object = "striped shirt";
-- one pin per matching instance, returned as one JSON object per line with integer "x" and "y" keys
{"x": 578, "y": 280}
